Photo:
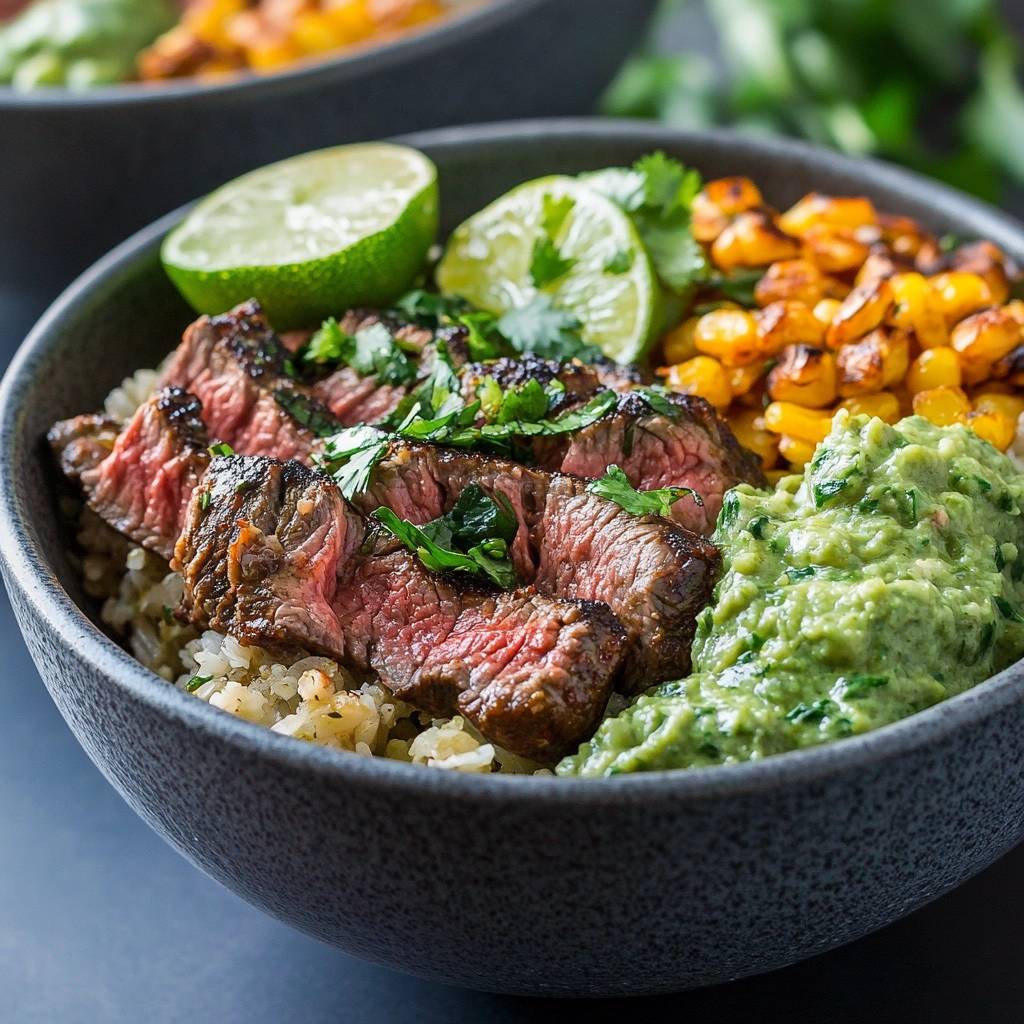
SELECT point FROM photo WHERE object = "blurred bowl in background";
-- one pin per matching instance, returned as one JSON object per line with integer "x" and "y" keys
{"x": 81, "y": 171}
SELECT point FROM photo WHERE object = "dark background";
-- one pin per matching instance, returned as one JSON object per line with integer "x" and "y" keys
{"x": 100, "y": 921}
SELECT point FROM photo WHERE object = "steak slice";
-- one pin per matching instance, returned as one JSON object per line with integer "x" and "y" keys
{"x": 693, "y": 448}
{"x": 274, "y": 555}
{"x": 141, "y": 480}
{"x": 654, "y": 575}
{"x": 235, "y": 365}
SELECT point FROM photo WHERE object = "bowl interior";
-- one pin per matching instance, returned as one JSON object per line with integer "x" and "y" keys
{"x": 124, "y": 314}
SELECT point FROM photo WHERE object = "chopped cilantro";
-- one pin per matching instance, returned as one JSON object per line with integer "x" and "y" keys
{"x": 373, "y": 350}
{"x": 1006, "y": 609}
{"x": 472, "y": 538}
{"x": 350, "y": 457}
{"x": 204, "y": 501}
{"x": 429, "y": 309}
{"x": 306, "y": 411}
{"x": 168, "y": 616}
{"x": 621, "y": 262}
{"x": 195, "y": 682}
{"x": 658, "y": 400}
{"x": 544, "y": 329}
{"x": 798, "y": 575}
{"x": 827, "y": 489}
{"x": 221, "y": 449}
{"x": 858, "y": 685}
{"x": 615, "y": 486}
{"x": 737, "y": 286}
{"x": 812, "y": 712}
{"x": 1005, "y": 502}
{"x": 548, "y": 265}
{"x": 756, "y": 527}
{"x": 554, "y": 213}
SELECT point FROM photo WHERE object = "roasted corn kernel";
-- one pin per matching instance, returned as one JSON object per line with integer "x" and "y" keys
{"x": 942, "y": 406}
{"x": 917, "y": 309}
{"x": 987, "y": 261}
{"x": 836, "y": 211}
{"x": 677, "y": 346}
{"x": 730, "y": 335}
{"x": 718, "y": 203}
{"x": 875, "y": 362}
{"x": 826, "y": 309}
{"x": 792, "y": 280}
{"x": 701, "y": 376}
{"x": 797, "y": 421}
{"x": 743, "y": 379}
{"x": 935, "y": 368}
{"x": 880, "y": 264}
{"x": 861, "y": 312}
{"x": 787, "y": 323}
{"x": 995, "y": 427}
{"x": 804, "y": 375}
{"x": 902, "y": 234}
{"x": 753, "y": 239}
{"x": 748, "y": 426}
{"x": 1011, "y": 367}
{"x": 982, "y": 340}
{"x": 992, "y": 401}
{"x": 960, "y": 294}
{"x": 796, "y": 451}
{"x": 834, "y": 249}
{"x": 883, "y": 404}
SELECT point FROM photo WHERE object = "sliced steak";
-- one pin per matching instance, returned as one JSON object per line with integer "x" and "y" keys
{"x": 141, "y": 481}
{"x": 654, "y": 575}
{"x": 274, "y": 555}
{"x": 235, "y": 365}
{"x": 693, "y": 448}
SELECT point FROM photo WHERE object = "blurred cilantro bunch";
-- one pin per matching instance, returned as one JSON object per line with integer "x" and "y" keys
{"x": 931, "y": 84}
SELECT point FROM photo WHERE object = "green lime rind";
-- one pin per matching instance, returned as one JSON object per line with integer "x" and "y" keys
{"x": 368, "y": 242}
{"x": 611, "y": 287}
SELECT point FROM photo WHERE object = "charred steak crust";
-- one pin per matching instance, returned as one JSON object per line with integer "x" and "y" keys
{"x": 141, "y": 481}
{"x": 654, "y": 575}
{"x": 275, "y": 556}
{"x": 693, "y": 449}
{"x": 236, "y": 366}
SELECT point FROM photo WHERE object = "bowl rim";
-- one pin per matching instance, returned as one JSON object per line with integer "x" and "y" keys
{"x": 303, "y": 75}
{"x": 52, "y": 605}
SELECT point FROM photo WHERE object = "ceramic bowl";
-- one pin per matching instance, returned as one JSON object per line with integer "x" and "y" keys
{"x": 80, "y": 172}
{"x": 625, "y": 885}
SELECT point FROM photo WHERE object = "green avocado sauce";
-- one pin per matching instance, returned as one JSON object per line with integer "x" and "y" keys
{"x": 887, "y": 578}
{"x": 79, "y": 43}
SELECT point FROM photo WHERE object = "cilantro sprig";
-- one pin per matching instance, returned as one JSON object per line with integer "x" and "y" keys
{"x": 657, "y": 192}
{"x": 615, "y": 486}
{"x": 372, "y": 350}
{"x": 473, "y": 537}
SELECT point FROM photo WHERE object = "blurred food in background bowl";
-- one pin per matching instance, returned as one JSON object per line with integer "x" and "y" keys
{"x": 92, "y": 166}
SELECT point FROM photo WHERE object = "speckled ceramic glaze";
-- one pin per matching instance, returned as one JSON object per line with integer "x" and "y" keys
{"x": 543, "y": 886}
{"x": 80, "y": 172}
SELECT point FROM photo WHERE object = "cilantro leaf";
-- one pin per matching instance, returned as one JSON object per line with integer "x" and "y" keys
{"x": 528, "y": 402}
{"x": 350, "y": 457}
{"x": 658, "y": 401}
{"x": 472, "y": 538}
{"x": 554, "y": 213}
{"x": 858, "y": 686}
{"x": 624, "y": 186}
{"x": 373, "y": 350}
{"x": 615, "y": 486}
{"x": 427, "y": 309}
{"x": 547, "y": 265}
{"x": 621, "y": 263}
{"x": 668, "y": 185}
{"x": 544, "y": 329}
{"x": 221, "y": 449}
{"x": 483, "y": 340}
{"x": 307, "y": 411}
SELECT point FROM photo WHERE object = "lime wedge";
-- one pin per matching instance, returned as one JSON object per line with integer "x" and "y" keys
{"x": 311, "y": 236}
{"x": 502, "y": 257}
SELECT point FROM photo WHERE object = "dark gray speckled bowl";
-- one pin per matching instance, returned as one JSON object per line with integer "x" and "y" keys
{"x": 615, "y": 886}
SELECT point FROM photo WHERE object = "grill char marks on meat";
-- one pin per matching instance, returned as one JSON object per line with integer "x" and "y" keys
{"x": 275, "y": 556}
{"x": 141, "y": 480}
{"x": 654, "y": 575}
{"x": 235, "y": 365}
{"x": 693, "y": 449}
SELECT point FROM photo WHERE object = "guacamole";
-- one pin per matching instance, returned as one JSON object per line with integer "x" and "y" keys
{"x": 888, "y": 577}
{"x": 79, "y": 43}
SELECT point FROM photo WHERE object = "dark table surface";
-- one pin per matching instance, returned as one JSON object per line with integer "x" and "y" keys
{"x": 100, "y": 921}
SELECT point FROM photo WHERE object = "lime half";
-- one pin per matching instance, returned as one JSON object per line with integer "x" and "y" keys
{"x": 311, "y": 236}
{"x": 502, "y": 257}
